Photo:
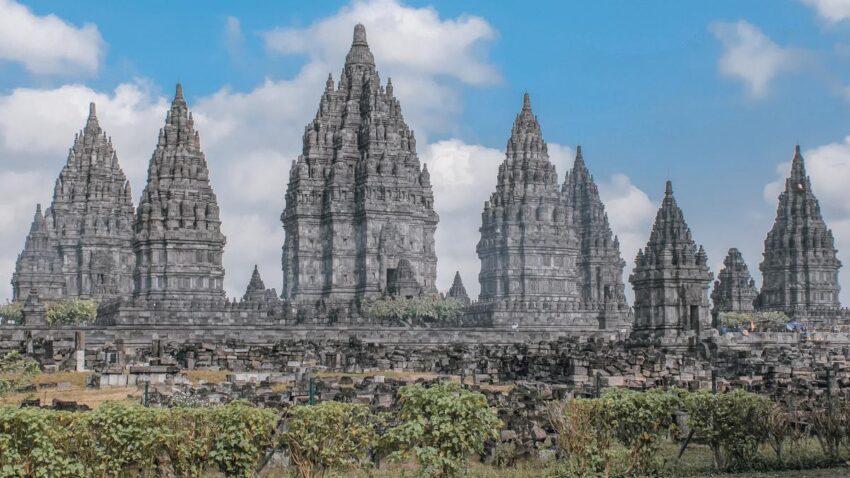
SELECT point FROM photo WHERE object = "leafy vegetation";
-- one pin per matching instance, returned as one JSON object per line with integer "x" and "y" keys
{"x": 330, "y": 436}
{"x": 759, "y": 321}
{"x": 440, "y": 427}
{"x": 120, "y": 439}
{"x": 12, "y": 312}
{"x": 425, "y": 308}
{"x": 71, "y": 312}
{"x": 16, "y": 371}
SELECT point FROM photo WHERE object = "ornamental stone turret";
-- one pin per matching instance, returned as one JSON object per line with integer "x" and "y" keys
{"x": 178, "y": 242}
{"x": 671, "y": 278}
{"x": 528, "y": 246}
{"x": 358, "y": 203}
{"x": 256, "y": 290}
{"x": 90, "y": 221}
{"x": 600, "y": 266}
{"x": 800, "y": 265}
{"x": 734, "y": 290}
{"x": 39, "y": 268}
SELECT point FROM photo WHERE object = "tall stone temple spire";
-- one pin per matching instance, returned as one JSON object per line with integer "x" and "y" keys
{"x": 90, "y": 221}
{"x": 600, "y": 265}
{"x": 39, "y": 267}
{"x": 800, "y": 267}
{"x": 734, "y": 290}
{"x": 528, "y": 246}
{"x": 178, "y": 242}
{"x": 671, "y": 278}
{"x": 359, "y": 207}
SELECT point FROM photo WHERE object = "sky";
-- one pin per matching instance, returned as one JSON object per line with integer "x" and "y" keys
{"x": 712, "y": 95}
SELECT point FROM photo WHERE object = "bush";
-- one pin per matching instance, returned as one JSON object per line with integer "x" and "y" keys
{"x": 15, "y": 371}
{"x": 330, "y": 436}
{"x": 12, "y": 313}
{"x": 733, "y": 424}
{"x": 584, "y": 437}
{"x": 761, "y": 320}
{"x": 640, "y": 420}
{"x": 71, "y": 312}
{"x": 427, "y": 308}
{"x": 119, "y": 439}
{"x": 441, "y": 426}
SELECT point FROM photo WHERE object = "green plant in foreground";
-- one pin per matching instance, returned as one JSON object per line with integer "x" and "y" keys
{"x": 15, "y": 371}
{"x": 330, "y": 436}
{"x": 440, "y": 427}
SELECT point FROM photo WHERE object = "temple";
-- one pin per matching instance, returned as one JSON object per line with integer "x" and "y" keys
{"x": 82, "y": 247}
{"x": 734, "y": 290}
{"x": 359, "y": 223}
{"x": 359, "y": 216}
{"x": 671, "y": 279}
{"x": 800, "y": 266}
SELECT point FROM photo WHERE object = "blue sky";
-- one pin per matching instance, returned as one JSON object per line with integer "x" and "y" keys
{"x": 712, "y": 94}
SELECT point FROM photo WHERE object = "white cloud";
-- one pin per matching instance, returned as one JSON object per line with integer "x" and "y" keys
{"x": 233, "y": 39}
{"x": 48, "y": 44}
{"x": 752, "y": 57}
{"x": 828, "y": 166}
{"x": 832, "y": 11}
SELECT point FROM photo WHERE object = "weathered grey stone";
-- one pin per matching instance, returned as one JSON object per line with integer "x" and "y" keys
{"x": 178, "y": 242}
{"x": 670, "y": 278}
{"x": 357, "y": 203}
{"x": 82, "y": 245}
{"x": 800, "y": 267}
{"x": 734, "y": 290}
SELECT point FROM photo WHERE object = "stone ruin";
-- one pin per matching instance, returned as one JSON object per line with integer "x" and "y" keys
{"x": 359, "y": 226}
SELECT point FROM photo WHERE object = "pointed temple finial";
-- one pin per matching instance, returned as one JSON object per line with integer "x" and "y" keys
{"x": 92, "y": 110}
{"x": 668, "y": 190}
{"x": 179, "y": 93}
{"x": 38, "y": 210}
{"x": 359, "y": 53}
{"x": 526, "y": 102}
{"x": 798, "y": 168}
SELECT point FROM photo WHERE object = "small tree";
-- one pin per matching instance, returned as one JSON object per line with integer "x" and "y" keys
{"x": 71, "y": 312}
{"x": 584, "y": 437}
{"x": 733, "y": 424}
{"x": 330, "y": 436}
{"x": 15, "y": 371}
{"x": 441, "y": 426}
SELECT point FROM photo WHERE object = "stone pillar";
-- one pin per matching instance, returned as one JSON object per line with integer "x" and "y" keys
{"x": 80, "y": 350}
{"x": 34, "y": 311}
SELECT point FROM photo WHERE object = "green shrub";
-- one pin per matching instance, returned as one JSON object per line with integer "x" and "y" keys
{"x": 37, "y": 443}
{"x": 441, "y": 426}
{"x": 761, "y": 320}
{"x": 243, "y": 434}
{"x": 427, "y": 308}
{"x": 15, "y": 371}
{"x": 584, "y": 437}
{"x": 640, "y": 420}
{"x": 733, "y": 424}
{"x": 12, "y": 312}
{"x": 71, "y": 312}
{"x": 330, "y": 436}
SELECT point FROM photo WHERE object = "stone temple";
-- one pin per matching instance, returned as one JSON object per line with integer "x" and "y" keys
{"x": 82, "y": 246}
{"x": 359, "y": 222}
{"x": 359, "y": 216}
{"x": 547, "y": 252}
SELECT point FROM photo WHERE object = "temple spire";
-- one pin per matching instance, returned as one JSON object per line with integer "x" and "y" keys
{"x": 359, "y": 54}
{"x": 798, "y": 169}
{"x": 668, "y": 190}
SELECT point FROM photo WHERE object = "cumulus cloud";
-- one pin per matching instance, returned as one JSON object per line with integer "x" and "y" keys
{"x": 832, "y": 11}
{"x": 828, "y": 166}
{"x": 751, "y": 56}
{"x": 48, "y": 44}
